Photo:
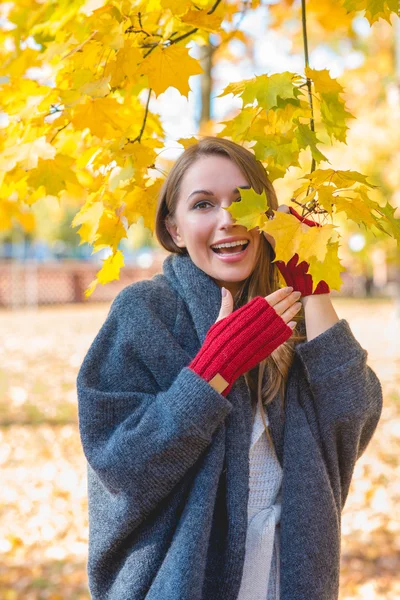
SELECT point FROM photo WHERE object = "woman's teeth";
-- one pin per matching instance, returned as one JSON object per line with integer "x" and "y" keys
{"x": 232, "y": 250}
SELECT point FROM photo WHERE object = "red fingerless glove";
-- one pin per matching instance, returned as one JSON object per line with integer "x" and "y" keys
{"x": 295, "y": 274}
{"x": 238, "y": 342}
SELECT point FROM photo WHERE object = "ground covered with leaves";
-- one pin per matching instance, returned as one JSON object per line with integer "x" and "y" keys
{"x": 43, "y": 505}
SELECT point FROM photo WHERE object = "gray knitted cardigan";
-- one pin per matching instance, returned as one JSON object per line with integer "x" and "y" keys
{"x": 168, "y": 456}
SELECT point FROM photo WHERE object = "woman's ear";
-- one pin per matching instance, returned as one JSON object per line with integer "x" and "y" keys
{"x": 173, "y": 232}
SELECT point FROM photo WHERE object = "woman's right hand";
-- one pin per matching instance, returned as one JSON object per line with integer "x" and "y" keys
{"x": 239, "y": 340}
{"x": 284, "y": 301}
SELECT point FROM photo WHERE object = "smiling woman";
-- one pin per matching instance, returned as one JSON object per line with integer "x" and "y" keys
{"x": 186, "y": 461}
{"x": 192, "y": 220}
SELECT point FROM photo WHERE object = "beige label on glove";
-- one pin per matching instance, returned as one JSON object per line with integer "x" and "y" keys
{"x": 218, "y": 383}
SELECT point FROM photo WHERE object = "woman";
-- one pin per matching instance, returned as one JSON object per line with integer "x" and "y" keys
{"x": 221, "y": 440}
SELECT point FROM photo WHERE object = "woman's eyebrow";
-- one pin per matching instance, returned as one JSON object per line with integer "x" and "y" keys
{"x": 208, "y": 193}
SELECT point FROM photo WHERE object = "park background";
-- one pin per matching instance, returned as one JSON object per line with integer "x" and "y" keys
{"x": 47, "y": 325}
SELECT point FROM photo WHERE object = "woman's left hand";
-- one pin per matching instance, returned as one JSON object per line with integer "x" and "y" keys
{"x": 295, "y": 274}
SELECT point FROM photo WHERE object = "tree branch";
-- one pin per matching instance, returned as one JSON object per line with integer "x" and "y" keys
{"x": 305, "y": 42}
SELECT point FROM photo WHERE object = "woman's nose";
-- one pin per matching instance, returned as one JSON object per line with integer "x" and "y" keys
{"x": 226, "y": 217}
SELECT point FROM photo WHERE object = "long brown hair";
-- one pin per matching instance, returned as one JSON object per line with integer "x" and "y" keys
{"x": 276, "y": 365}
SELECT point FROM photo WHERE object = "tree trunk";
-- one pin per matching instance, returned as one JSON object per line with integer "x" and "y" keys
{"x": 206, "y": 83}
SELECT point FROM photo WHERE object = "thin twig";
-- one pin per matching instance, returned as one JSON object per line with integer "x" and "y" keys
{"x": 58, "y": 131}
{"x": 139, "y": 137}
{"x": 305, "y": 42}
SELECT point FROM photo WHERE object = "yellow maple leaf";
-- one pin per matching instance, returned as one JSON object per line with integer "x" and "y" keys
{"x": 314, "y": 242}
{"x": 143, "y": 157}
{"x": 186, "y": 142}
{"x": 125, "y": 65}
{"x": 111, "y": 267}
{"x": 109, "y": 271}
{"x": 101, "y": 115}
{"x": 291, "y": 237}
{"x": 171, "y": 66}
{"x": 88, "y": 217}
{"x": 329, "y": 269}
{"x": 109, "y": 232}
{"x": 326, "y": 198}
{"x": 323, "y": 82}
{"x": 202, "y": 20}
{"x": 250, "y": 211}
{"x": 177, "y": 7}
{"x": 26, "y": 155}
{"x": 53, "y": 174}
{"x": 141, "y": 201}
{"x": 283, "y": 228}
{"x": 357, "y": 209}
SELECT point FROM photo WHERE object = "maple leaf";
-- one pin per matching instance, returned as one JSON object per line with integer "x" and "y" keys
{"x": 336, "y": 177}
{"x": 26, "y": 155}
{"x": 88, "y": 217}
{"x": 326, "y": 198}
{"x": 292, "y": 236}
{"x": 329, "y": 269}
{"x": 391, "y": 223}
{"x": 53, "y": 174}
{"x": 323, "y": 82}
{"x": 280, "y": 152}
{"x": 171, "y": 66}
{"x": 108, "y": 272}
{"x": 142, "y": 201}
{"x": 110, "y": 231}
{"x": 250, "y": 211}
{"x": 266, "y": 89}
{"x": 308, "y": 138}
{"x": 334, "y": 116}
{"x": 357, "y": 208}
{"x": 186, "y": 142}
{"x": 125, "y": 65}
{"x": 249, "y": 123}
{"x": 101, "y": 115}
{"x": 202, "y": 20}
{"x": 374, "y": 9}
{"x": 177, "y": 7}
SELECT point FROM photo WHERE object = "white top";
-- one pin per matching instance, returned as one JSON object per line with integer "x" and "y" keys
{"x": 260, "y": 580}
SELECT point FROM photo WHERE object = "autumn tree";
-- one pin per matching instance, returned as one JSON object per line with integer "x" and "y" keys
{"x": 84, "y": 129}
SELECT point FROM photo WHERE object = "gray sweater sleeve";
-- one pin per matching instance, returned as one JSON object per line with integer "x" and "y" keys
{"x": 347, "y": 399}
{"x": 139, "y": 432}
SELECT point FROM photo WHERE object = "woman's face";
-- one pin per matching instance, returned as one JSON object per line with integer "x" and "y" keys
{"x": 201, "y": 221}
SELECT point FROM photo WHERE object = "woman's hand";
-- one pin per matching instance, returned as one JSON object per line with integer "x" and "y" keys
{"x": 294, "y": 274}
{"x": 284, "y": 301}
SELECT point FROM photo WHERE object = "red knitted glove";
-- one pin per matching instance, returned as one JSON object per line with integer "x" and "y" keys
{"x": 238, "y": 342}
{"x": 295, "y": 274}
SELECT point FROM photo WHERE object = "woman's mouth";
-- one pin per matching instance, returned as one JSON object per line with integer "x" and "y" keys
{"x": 233, "y": 254}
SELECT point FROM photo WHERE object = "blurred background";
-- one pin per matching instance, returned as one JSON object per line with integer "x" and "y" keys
{"x": 47, "y": 326}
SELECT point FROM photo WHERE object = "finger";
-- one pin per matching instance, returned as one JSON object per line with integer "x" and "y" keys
{"x": 279, "y": 295}
{"x": 286, "y": 303}
{"x": 284, "y": 208}
{"x": 288, "y": 315}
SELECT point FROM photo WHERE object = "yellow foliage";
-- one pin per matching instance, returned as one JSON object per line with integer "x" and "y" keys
{"x": 85, "y": 132}
{"x": 171, "y": 66}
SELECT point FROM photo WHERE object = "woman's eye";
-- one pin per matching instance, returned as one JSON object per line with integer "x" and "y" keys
{"x": 206, "y": 202}
{"x": 199, "y": 203}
